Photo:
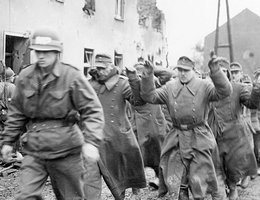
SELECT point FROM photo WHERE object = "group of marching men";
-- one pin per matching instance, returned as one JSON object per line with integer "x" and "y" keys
{"x": 207, "y": 131}
{"x": 200, "y": 136}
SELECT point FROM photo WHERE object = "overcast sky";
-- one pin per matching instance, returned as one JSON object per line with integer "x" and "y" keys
{"x": 189, "y": 21}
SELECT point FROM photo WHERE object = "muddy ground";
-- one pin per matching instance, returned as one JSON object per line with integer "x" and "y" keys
{"x": 9, "y": 185}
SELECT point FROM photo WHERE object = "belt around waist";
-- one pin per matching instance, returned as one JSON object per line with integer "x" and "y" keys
{"x": 188, "y": 126}
{"x": 48, "y": 123}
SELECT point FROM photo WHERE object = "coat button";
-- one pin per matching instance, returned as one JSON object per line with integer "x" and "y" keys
{"x": 193, "y": 109}
{"x": 112, "y": 121}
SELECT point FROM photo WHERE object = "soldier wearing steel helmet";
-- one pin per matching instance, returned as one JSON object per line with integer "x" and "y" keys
{"x": 49, "y": 99}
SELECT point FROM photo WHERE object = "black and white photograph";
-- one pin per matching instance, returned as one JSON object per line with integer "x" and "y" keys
{"x": 130, "y": 100}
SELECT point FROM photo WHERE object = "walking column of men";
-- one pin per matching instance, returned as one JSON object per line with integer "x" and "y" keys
{"x": 200, "y": 135}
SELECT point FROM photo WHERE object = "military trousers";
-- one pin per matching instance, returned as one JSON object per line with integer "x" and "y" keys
{"x": 66, "y": 175}
{"x": 92, "y": 181}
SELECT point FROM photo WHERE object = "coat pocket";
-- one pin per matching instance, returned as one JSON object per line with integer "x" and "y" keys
{"x": 58, "y": 102}
{"x": 29, "y": 100}
{"x": 204, "y": 138}
{"x": 126, "y": 141}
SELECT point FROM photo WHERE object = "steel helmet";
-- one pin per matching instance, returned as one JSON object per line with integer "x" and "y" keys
{"x": 46, "y": 40}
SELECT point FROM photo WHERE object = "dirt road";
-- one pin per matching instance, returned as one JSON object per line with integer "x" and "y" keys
{"x": 9, "y": 185}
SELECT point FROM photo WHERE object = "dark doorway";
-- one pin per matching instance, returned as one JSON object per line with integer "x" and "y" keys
{"x": 17, "y": 53}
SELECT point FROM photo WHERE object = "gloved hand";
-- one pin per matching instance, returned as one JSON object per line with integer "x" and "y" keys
{"x": 7, "y": 153}
{"x": 148, "y": 68}
{"x": 90, "y": 152}
{"x": 131, "y": 73}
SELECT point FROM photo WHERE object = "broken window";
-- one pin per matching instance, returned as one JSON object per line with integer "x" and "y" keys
{"x": 143, "y": 21}
{"x": 118, "y": 60}
{"x": 120, "y": 9}
{"x": 150, "y": 58}
{"x": 88, "y": 57}
{"x": 89, "y": 7}
{"x": 88, "y": 60}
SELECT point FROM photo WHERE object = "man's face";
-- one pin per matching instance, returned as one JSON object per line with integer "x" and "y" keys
{"x": 104, "y": 72}
{"x": 46, "y": 58}
{"x": 185, "y": 75}
{"x": 236, "y": 75}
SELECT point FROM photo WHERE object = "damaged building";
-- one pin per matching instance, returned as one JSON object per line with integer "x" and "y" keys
{"x": 129, "y": 30}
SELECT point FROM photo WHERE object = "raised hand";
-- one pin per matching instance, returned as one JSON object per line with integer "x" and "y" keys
{"x": 131, "y": 73}
{"x": 148, "y": 68}
{"x": 216, "y": 63}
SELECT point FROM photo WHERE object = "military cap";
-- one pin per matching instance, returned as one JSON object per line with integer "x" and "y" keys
{"x": 246, "y": 79}
{"x": 235, "y": 66}
{"x": 257, "y": 72}
{"x": 139, "y": 66}
{"x": 102, "y": 59}
{"x": 185, "y": 62}
{"x": 163, "y": 72}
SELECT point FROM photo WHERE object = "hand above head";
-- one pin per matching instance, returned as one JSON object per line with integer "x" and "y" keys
{"x": 216, "y": 63}
{"x": 148, "y": 68}
{"x": 131, "y": 73}
{"x": 90, "y": 152}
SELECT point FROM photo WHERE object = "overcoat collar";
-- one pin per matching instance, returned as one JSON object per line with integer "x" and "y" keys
{"x": 192, "y": 86}
{"x": 111, "y": 82}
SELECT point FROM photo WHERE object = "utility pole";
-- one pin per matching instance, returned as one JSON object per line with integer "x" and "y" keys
{"x": 229, "y": 45}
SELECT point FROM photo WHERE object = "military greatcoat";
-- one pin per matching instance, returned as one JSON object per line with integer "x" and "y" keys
{"x": 189, "y": 144}
{"x": 151, "y": 129}
{"x": 230, "y": 130}
{"x": 122, "y": 165}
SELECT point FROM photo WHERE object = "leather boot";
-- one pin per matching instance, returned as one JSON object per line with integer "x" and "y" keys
{"x": 184, "y": 194}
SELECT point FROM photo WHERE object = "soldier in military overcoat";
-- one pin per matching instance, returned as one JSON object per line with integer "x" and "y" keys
{"x": 186, "y": 160}
{"x": 121, "y": 161}
{"x": 230, "y": 129}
